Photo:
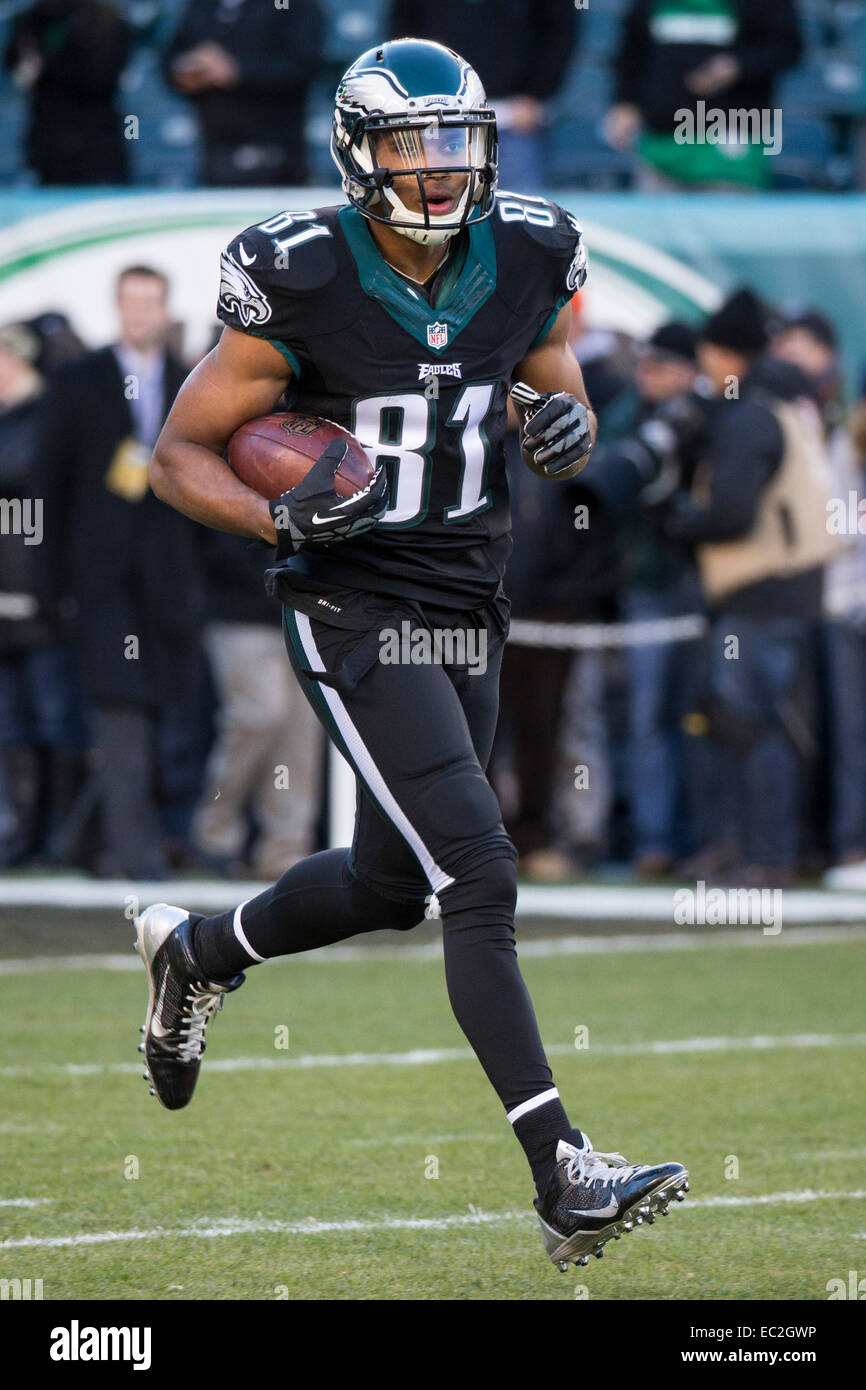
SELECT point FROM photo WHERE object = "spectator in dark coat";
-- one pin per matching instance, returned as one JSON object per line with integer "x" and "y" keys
{"x": 520, "y": 50}
{"x": 41, "y": 737}
{"x": 70, "y": 55}
{"x": 757, "y": 519}
{"x": 125, "y": 561}
{"x": 726, "y": 54}
{"x": 247, "y": 67}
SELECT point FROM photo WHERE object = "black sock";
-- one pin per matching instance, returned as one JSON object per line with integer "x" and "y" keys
{"x": 539, "y": 1131}
{"x": 217, "y": 948}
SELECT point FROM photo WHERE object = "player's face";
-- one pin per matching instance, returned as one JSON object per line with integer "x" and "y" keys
{"x": 143, "y": 311}
{"x": 434, "y": 147}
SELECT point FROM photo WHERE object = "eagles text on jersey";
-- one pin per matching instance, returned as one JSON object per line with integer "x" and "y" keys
{"x": 423, "y": 388}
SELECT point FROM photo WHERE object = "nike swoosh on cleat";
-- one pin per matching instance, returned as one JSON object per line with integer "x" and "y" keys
{"x": 596, "y": 1211}
{"x": 155, "y": 1026}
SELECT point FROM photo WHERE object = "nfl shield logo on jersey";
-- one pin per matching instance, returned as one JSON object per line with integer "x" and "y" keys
{"x": 437, "y": 335}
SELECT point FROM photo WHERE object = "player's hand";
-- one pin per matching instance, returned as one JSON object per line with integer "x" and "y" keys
{"x": 312, "y": 514}
{"x": 556, "y": 431}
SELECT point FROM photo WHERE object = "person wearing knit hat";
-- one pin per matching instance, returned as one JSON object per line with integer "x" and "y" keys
{"x": 756, "y": 519}
{"x": 675, "y": 340}
{"x": 739, "y": 323}
{"x": 667, "y": 363}
{"x": 732, "y": 338}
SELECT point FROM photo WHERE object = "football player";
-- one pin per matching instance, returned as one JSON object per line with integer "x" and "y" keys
{"x": 405, "y": 315}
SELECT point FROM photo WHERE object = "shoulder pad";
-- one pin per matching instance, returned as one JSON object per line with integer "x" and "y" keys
{"x": 554, "y": 231}
{"x": 288, "y": 255}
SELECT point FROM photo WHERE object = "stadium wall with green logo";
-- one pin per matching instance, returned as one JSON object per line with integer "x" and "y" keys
{"x": 650, "y": 256}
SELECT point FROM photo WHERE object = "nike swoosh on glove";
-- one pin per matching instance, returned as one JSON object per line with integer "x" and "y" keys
{"x": 556, "y": 433}
{"x": 312, "y": 513}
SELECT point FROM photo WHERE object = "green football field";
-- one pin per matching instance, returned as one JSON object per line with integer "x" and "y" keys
{"x": 370, "y": 1159}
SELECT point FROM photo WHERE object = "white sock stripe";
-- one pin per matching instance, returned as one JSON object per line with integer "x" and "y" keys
{"x": 241, "y": 935}
{"x": 524, "y": 1108}
{"x": 437, "y": 877}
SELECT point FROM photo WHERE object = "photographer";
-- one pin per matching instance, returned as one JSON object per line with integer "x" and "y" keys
{"x": 757, "y": 520}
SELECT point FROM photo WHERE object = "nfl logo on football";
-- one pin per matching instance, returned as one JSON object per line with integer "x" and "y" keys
{"x": 437, "y": 335}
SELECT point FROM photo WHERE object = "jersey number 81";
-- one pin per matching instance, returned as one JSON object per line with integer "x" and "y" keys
{"x": 402, "y": 428}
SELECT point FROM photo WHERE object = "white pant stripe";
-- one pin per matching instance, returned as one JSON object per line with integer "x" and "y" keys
{"x": 436, "y": 876}
{"x": 241, "y": 934}
{"x": 524, "y": 1108}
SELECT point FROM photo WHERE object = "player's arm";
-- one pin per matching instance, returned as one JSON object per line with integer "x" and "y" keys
{"x": 566, "y": 422}
{"x": 242, "y": 377}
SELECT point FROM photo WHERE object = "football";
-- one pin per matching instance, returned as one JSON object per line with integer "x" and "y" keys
{"x": 274, "y": 452}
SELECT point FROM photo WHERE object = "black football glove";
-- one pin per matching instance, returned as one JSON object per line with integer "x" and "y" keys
{"x": 312, "y": 513}
{"x": 556, "y": 430}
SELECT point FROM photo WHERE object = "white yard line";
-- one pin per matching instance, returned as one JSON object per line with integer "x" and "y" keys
{"x": 25, "y": 1201}
{"x": 623, "y": 902}
{"x": 211, "y": 1229}
{"x": 425, "y": 1057}
{"x": 697, "y": 939}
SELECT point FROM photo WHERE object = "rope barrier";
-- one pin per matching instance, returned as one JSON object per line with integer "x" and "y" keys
{"x": 528, "y": 632}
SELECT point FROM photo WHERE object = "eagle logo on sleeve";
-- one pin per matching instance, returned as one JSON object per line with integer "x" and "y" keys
{"x": 577, "y": 271}
{"x": 240, "y": 295}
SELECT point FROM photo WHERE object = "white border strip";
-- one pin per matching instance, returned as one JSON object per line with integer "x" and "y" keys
{"x": 437, "y": 877}
{"x": 539, "y": 948}
{"x": 212, "y": 1228}
{"x": 433, "y": 1056}
{"x": 569, "y": 902}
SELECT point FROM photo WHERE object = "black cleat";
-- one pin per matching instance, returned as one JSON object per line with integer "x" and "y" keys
{"x": 594, "y": 1197}
{"x": 180, "y": 1004}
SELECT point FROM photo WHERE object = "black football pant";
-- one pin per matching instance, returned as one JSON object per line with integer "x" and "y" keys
{"x": 418, "y": 737}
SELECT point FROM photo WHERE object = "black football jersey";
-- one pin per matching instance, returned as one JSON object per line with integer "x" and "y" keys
{"x": 423, "y": 388}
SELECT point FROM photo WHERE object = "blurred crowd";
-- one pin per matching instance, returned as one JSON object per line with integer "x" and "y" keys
{"x": 716, "y": 728}
{"x": 695, "y": 707}
{"x": 148, "y": 717}
{"x": 586, "y": 95}
{"x": 683, "y": 689}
